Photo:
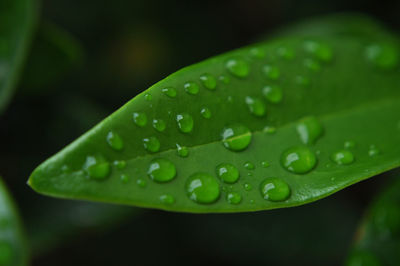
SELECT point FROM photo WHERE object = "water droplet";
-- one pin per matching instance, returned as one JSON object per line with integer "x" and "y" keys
{"x": 238, "y": 67}
{"x": 182, "y": 150}
{"x": 343, "y": 157}
{"x": 208, "y": 81}
{"x": 167, "y": 199}
{"x": 185, "y": 122}
{"x": 191, "y": 88}
{"x": 312, "y": 64}
{"x": 385, "y": 56}
{"x": 206, "y": 112}
{"x": 228, "y": 173}
{"x": 170, "y": 92}
{"x": 285, "y": 52}
{"x": 233, "y": 198}
{"x": 115, "y": 141}
{"x": 373, "y": 151}
{"x": 66, "y": 169}
{"x": 6, "y": 253}
{"x": 320, "y": 50}
{"x": 161, "y": 170}
{"x": 124, "y": 178}
{"x": 141, "y": 183}
{"x": 298, "y": 160}
{"x": 224, "y": 79}
{"x": 96, "y": 167}
{"x": 119, "y": 164}
{"x": 202, "y": 188}
{"x": 275, "y": 189}
{"x": 256, "y": 106}
{"x": 148, "y": 97}
{"x": 140, "y": 119}
{"x": 273, "y": 93}
{"x": 269, "y": 129}
{"x": 271, "y": 72}
{"x": 249, "y": 166}
{"x": 252, "y": 201}
{"x": 159, "y": 125}
{"x": 309, "y": 130}
{"x": 302, "y": 81}
{"x": 152, "y": 144}
{"x": 349, "y": 144}
{"x": 257, "y": 52}
{"x": 265, "y": 164}
{"x": 236, "y": 137}
{"x": 247, "y": 186}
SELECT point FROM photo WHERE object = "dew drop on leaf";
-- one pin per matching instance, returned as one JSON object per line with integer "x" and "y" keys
{"x": 169, "y": 91}
{"x": 343, "y": 157}
{"x": 159, "y": 125}
{"x": 96, "y": 167}
{"x": 349, "y": 144}
{"x": 185, "y": 122}
{"x": 275, "y": 189}
{"x": 285, "y": 52}
{"x": 161, "y": 170}
{"x": 249, "y": 166}
{"x": 224, "y": 79}
{"x": 167, "y": 199}
{"x": 191, "y": 88}
{"x": 302, "y": 81}
{"x": 269, "y": 129}
{"x": 238, "y": 67}
{"x": 140, "y": 119}
{"x": 119, "y": 164}
{"x": 321, "y": 51}
{"x": 152, "y": 144}
{"x": 208, "y": 81}
{"x": 298, "y": 160}
{"x": 373, "y": 151}
{"x": 256, "y": 106}
{"x": 311, "y": 64}
{"x": 384, "y": 56}
{"x": 124, "y": 178}
{"x": 202, "y": 188}
{"x": 115, "y": 141}
{"x": 247, "y": 186}
{"x": 228, "y": 173}
{"x": 271, "y": 72}
{"x": 148, "y": 97}
{"x": 257, "y": 52}
{"x": 141, "y": 183}
{"x": 265, "y": 164}
{"x": 205, "y": 112}
{"x": 233, "y": 198}
{"x": 272, "y": 93}
{"x": 182, "y": 150}
{"x": 236, "y": 137}
{"x": 309, "y": 129}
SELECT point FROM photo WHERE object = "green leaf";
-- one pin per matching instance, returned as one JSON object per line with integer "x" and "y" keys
{"x": 378, "y": 237}
{"x": 277, "y": 124}
{"x": 17, "y": 18}
{"x": 13, "y": 248}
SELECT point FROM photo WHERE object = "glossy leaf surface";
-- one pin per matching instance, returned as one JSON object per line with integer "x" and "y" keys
{"x": 296, "y": 116}
{"x": 13, "y": 249}
{"x": 17, "y": 18}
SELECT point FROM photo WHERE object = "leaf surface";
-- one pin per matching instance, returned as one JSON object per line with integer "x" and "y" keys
{"x": 303, "y": 115}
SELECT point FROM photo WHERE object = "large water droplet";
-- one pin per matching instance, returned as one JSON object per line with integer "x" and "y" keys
{"x": 208, "y": 81}
{"x": 152, "y": 144}
{"x": 228, "y": 173}
{"x": 271, "y": 72}
{"x": 115, "y": 141}
{"x": 182, "y": 150}
{"x": 202, "y": 188}
{"x": 385, "y": 56}
{"x": 159, "y": 125}
{"x": 236, "y": 137}
{"x": 256, "y": 106}
{"x": 298, "y": 160}
{"x": 309, "y": 130}
{"x": 96, "y": 167}
{"x": 273, "y": 93}
{"x": 191, "y": 88}
{"x": 161, "y": 170}
{"x": 343, "y": 157}
{"x": 275, "y": 189}
{"x": 167, "y": 199}
{"x": 205, "y": 112}
{"x": 238, "y": 67}
{"x": 140, "y": 119}
{"x": 185, "y": 122}
{"x": 233, "y": 198}
{"x": 169, "y": 91}
{"x": 320, "y": 50}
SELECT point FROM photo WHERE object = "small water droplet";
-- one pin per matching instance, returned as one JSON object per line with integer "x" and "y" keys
{"x": 119, "y": 164}
{"x": 161, "y": 170}
{"x": 275, "y": 189}
{"x": 205, "y": 112}
{"x": 269, "y": 129}
{"x": 252, "y": 201}
{"x": 115, "y": 141}
{"x": 285, "y": 52}
{"x": 208, "y": 81}
{"x": 148, "y": 97}
{"x": 191, "y": 88}
{"x": 66, "y": 169}
{"x": 302, "y": 81}
{"x": 182, "y": 150}
{"x": 265, "y": 164}
{"x": 141, "y": 183}
{"x": 167, "y": 199}
{"x": 247, "y": 186}
{"x": 233, "y": 198}
{"x": 272, "y": 93}
{"x": 96, "y": 167}
{"x": 185, "y": 122}
{"x": 224, "y": 79}
{"x": 236, "y": 137}
{"x": 257, "y": 52}
{"x": 343, "y": 157}
{"x": 349, "y": 144}
{"x": 238, "y": 67}
{"x": 309, "y": 130}
{"x": 159, "y": 125}
{"x": 384, "y": 56}
{"x": 256, "y": 106}
{"x": 202, "y": 188}
{"x": 312, "y": 64}
{"x": 140, "y": 119}
{"x": 228, "y": 173}
{"x": 298, "y": 160}
{"x": 124, "y": 178}
{"x": 320, "y": 50}
{"x": 373, "y": 151}
{"x": 249, "y": 166}
{"x": 229, "y": 99}
{"x": 169, "y": 91}
{"x": 271, "y": 72}
{"x": 152, "y": 144}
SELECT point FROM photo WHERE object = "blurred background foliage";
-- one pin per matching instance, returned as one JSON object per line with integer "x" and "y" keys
{"x": 90, "y": 57}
